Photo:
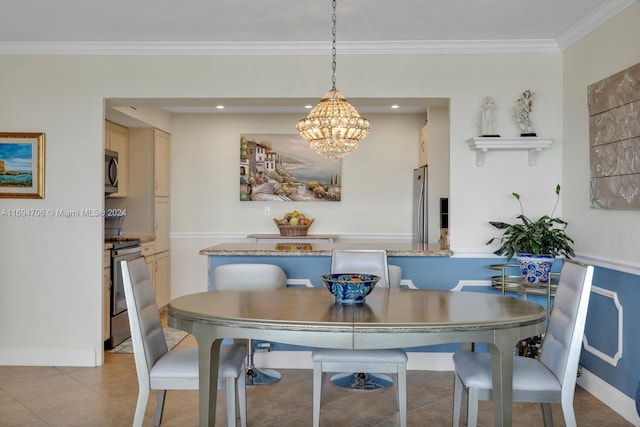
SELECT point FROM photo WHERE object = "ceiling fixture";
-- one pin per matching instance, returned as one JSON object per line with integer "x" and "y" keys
{"x": 333, "y": 128}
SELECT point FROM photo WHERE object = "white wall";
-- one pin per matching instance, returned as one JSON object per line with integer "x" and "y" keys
{"x": 613, "y": 236}
{"x": 439, "y": 164}
{"x": 51, "y": 268}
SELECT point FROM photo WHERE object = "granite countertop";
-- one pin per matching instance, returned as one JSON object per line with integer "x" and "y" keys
{"x": 322, "y": 249}
{"x": 143, "y": 239}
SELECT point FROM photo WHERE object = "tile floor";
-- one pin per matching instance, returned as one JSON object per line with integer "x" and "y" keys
{"x": 106, "y": 396}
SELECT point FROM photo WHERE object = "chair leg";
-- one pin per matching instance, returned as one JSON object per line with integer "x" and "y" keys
{"x": 242, "y": 398}
{"x": 230, "y": 393}
{"x": 546, "y": 414}
{"x": 257, "y": 376}
{"x": 472, "y": 407}
{"x": 141, "y": 407}
{"x": 457, "y": 400}
{"x": 401, "y": 388}
{"x": 318, "y": 379}
{"x": 566, "y": 402}
{"x": 396, "y": 389}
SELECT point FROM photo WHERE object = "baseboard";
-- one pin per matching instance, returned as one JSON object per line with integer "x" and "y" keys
{"x": 610, "y": 396}
{"x": 48, "y": 357}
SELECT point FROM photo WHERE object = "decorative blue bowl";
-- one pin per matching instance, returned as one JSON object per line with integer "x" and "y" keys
{"x": 350, "y": 288}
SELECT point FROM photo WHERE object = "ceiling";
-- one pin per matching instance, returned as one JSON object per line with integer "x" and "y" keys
{"x": 42, "y": 23}
{"x": 231, "y": 27}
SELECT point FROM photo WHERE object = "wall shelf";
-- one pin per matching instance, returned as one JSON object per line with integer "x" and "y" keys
{"x": 533, "y": 145}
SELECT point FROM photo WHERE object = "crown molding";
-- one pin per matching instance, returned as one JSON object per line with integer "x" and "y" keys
{"x": 599, "y": 16}
{"x": 277, "y": 48}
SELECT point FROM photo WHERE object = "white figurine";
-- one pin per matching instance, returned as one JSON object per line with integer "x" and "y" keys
{"x": 488, "y": 105}
{"x": 522, "y": 111}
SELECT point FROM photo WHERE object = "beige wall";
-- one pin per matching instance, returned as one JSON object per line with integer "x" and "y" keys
{"x": 612, "y": 236}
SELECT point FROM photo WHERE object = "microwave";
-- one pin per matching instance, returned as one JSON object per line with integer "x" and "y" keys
{"x": 110, "y": 172}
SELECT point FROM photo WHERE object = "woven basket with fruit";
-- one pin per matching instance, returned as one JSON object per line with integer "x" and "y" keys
{"x": 293, "y": 224}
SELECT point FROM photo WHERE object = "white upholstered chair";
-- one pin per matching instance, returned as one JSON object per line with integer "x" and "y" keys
{"x": 552, "y": 379}
{"x": 363, "y": 362}
{"x": 250, "y": 277}
{"x": 161, "y": 369}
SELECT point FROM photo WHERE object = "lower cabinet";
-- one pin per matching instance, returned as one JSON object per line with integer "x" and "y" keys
{"x": 158, "y": 265}
{"x": 162, "y": 278}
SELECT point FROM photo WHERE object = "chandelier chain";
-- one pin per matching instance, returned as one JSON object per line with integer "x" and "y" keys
{"x": 333, "y": 128}
{"x": 333, "y": 46}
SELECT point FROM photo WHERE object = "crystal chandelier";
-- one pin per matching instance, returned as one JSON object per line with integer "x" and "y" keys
{"x": 333, "y": 128}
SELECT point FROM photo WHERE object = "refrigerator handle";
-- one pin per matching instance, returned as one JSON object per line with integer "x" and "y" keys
{"x": 420, "y": 217}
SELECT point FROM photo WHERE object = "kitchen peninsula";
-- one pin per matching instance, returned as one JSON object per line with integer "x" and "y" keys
{"x": 423, "y": 266}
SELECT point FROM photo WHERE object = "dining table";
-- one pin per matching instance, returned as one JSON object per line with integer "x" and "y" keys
{"x": 389, "y": 318}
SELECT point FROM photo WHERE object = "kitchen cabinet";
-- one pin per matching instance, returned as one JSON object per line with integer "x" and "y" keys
{"x": 117, "y": 139}
{"x": 106, "y": 296}
{"x": 162, "y": 279}
{"x": 148, "y": 202}
{"x": 147, "y": 212}
{"x": 161, "y": 226}
{"x": 148, "y": 252}
{"x": 158, "y": 265}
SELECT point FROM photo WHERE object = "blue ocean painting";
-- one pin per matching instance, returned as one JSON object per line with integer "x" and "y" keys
{"x": 16, "y": 165}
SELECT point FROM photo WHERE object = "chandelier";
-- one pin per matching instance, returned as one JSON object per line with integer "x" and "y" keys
{"x": 333, "y": 128}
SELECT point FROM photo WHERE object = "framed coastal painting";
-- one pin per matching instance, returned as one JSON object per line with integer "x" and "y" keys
{"x": 282, "y": 167}
{"x": 21, "y": 165}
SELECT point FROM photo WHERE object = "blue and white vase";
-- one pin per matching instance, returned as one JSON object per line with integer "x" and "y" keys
{"x": 535, "y": 269}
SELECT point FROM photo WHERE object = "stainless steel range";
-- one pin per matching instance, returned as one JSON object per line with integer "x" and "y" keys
{"x": 123, "y": 249}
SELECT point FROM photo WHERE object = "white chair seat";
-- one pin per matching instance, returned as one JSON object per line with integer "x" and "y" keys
{"x": 360, "y": 356}
{"x": 180, "y": 365}
{"x": 528, "y": 374}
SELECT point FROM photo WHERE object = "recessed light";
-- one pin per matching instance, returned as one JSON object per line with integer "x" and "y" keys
{"x": 308, "y": 107}
{"x": 220, "y": 107}
{"x": 395, "y": 107}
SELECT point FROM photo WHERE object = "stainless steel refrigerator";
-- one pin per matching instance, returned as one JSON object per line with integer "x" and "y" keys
{"x": 420, "y": 224}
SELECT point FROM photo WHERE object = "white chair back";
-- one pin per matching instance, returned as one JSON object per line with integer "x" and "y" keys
{"x": 362, "y": 261}
{"x": 248, "y": 277}
{"x": 147, "y": 335}
{"x": 562, "y": 344}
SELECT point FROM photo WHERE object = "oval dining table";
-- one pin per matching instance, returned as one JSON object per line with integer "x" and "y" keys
{"x": 390, "y": 318}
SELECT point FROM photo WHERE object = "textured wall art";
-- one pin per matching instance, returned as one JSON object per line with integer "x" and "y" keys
{"x": 614, "y": 137}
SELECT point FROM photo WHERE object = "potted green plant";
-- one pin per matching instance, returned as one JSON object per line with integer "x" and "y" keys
{"x": 534, "y": 243}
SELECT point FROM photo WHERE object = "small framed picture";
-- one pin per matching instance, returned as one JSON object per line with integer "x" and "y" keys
{"x": 22, "y": 165}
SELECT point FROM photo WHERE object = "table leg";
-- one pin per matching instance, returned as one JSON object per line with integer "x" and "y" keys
{"x": 502, "y": 374}
{"x": 208, "y": 359}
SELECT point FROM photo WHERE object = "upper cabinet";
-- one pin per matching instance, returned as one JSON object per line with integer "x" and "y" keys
{"x": 117, "y": 139}
{"x": 147, "y": 212}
